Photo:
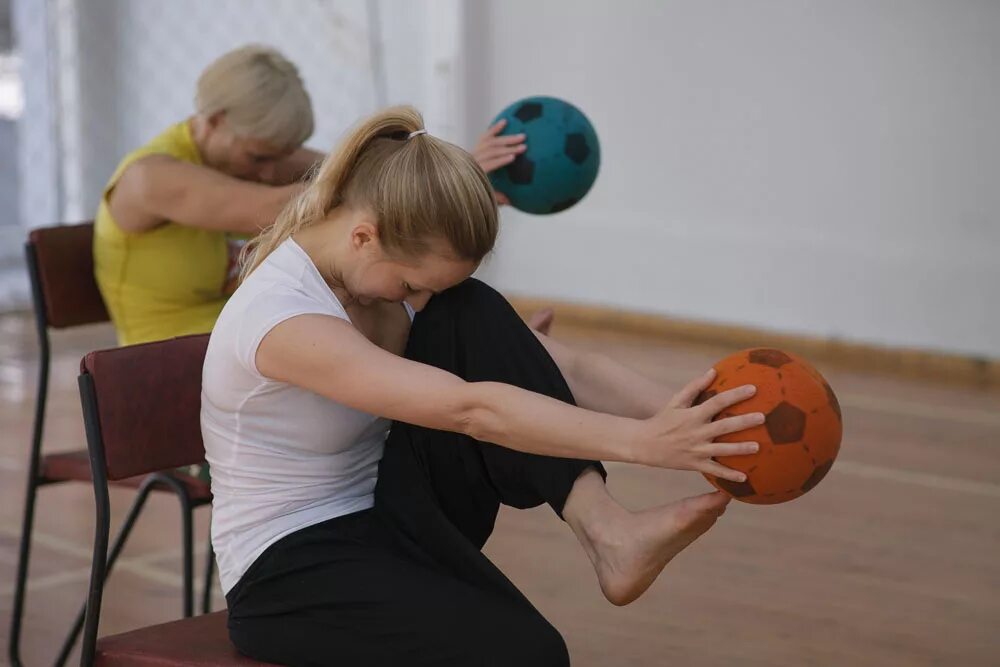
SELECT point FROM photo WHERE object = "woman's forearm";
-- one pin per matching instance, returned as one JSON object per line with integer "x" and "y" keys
{"x": 528, "y": 422}
{"x": 296, "y": 166}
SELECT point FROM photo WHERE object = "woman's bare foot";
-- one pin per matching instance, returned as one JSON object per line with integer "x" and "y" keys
{"x": 542, "y": 320}
{"x": 630, "y": 549}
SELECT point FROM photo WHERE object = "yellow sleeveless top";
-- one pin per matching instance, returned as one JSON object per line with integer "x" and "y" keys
{"x": 168, "y": 281}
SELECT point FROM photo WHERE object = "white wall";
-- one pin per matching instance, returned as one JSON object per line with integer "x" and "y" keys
{"x": 28, "y": 151}
{"x": 137, "y": 64}
{"x": 139, "y": 61}
{"x": 108, "y": 75}
{"x": 37, "y": 159}
{"x": 829, "y": 168}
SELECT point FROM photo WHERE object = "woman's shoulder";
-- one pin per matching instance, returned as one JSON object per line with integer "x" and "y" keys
{"x": 175, "y": 142}
{"x": 283, "y": 284}
{"x": 266, "y": 298}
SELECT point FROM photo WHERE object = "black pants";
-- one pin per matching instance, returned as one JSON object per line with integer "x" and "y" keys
{"x": 405, "y": 583}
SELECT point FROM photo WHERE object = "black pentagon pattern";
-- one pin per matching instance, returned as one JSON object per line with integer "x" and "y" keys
{"x": 785, "y": 424}
{"x": 769, "y": 357}
{"x": 521, "y": 171}
{"x": 736, "y": 489}
{"x": 576, "y": 147}
{"x": 563, "y": 205}
{"x": 817, "y": 476}
{"x": 704, "y": 396}
{"x": 834, "y": 403}
{"x": 528, "y": 111}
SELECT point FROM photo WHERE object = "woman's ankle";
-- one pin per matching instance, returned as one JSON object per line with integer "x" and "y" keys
{"x": 591, "y": 507}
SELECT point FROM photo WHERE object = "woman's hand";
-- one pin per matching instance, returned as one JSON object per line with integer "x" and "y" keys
{"x": 681, "y": 436}
{"x": 493, "y": 151}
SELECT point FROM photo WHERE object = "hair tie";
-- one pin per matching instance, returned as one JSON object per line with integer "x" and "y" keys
{"x": 416, "y": 133}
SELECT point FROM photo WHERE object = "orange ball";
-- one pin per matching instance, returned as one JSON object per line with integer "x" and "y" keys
{"x": 801, "y": 435}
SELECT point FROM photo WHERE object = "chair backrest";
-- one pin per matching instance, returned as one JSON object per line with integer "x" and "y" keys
{"x": 62, "y": 271}
{"x": 146, "y": 402}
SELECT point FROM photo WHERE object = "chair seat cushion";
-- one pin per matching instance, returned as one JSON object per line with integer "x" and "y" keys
{"x": 202, "y": 641}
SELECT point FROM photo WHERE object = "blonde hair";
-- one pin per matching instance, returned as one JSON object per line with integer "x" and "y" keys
{"x": 261, "y": 93}
{"x": 420, "y": 188}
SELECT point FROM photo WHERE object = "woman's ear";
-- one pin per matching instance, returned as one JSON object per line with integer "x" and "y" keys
{"x": 216, "y": 120}
{"x": 364, "y": 236}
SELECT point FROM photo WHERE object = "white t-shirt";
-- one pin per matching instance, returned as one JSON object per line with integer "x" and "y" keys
{"x": 282, "y": 457}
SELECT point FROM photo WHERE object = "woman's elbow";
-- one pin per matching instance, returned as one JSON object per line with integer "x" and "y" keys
{"x": 473, "y": 414}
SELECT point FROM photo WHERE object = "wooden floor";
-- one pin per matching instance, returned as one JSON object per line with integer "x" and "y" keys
{"x": 893, "y": 560}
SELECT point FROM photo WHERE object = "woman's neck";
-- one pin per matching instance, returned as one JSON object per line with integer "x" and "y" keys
{"x": 322, "y": 242}
{"x": 196, "y": 124}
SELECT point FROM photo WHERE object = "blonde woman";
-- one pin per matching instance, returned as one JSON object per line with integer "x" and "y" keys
{"x": 174, "y": 214}
{"x": 367, "y": 407}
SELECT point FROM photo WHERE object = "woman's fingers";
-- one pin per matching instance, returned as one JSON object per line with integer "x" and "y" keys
{"x": 726, "y": 399}
{"x": 734, "y": 424}
{"x": 685, "y": 397}
{"x": 718, "y": 449}
{"x": 715, "y": 468}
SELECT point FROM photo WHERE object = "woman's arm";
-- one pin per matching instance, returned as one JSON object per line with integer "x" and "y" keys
{"x": 494, "y": 151}
{"x": 328, "y": 356}
{"x": 159, "y": 188}
{"x": 604, "y": 385}
{"x": 294, "y": 168}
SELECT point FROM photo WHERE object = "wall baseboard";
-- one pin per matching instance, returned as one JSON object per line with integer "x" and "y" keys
{"x": 939, "y": 366}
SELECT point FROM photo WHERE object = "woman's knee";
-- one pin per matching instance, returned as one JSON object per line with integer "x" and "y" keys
{"x": 471, "y": 300}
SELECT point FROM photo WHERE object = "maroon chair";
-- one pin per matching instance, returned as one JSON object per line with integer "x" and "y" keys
{"x": 142, "y": 413}
{"x": 65, "y": 294}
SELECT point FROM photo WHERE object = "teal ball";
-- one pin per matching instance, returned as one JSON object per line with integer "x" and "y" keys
{"x": 561, "y": 161}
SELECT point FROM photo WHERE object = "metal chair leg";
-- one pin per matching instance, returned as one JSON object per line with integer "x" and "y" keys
{"x": 206, "y": 601}
{"x": 27, "y": 525}
{"x": 116, "y": 549}
{"x": 21, "y": 581}
{"x": 187, "y": 544}
{"x": 119, "y": 543}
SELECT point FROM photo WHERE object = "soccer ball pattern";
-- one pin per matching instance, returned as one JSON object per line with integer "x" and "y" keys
{"x": 561, "y": 161}
{"x": 800, "y": 437}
